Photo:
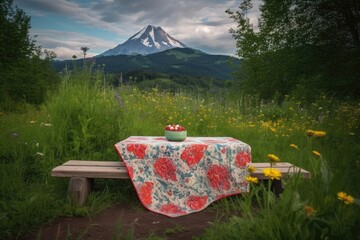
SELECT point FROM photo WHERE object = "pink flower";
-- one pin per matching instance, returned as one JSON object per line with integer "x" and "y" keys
{"x": 171, "y": 208}
{"x": 219, "y": 177}
{"x": 145, "y": 194}
{"x": 193, "y": 154}
{"x": 242, "y": 158}
{"x": 137, "y": 149}
{"x": 165, "y": 168}
{"x": 196, "y": 202}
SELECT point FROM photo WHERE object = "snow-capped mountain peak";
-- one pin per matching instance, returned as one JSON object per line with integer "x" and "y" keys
{"x": 148, "y": 40}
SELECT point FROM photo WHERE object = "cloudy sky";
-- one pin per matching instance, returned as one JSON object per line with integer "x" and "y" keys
{"x": 66, "y": 25}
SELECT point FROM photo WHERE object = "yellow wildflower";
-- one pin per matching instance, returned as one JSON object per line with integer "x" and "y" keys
{"x": 313, "y": 133}
{"x": 251, "y": 169}
{"x": 320, "y": 134}
{"x": 310, "y": 211}
{"x": 273, "y": 157}
{"x": 252, "y": 179}
{"x": 316, "y": 153}
{"x": 294, "y": 146}
{"x": 310, "y": 133}
{"x": 346, "y": 198}
{"x": 272, "y": 173}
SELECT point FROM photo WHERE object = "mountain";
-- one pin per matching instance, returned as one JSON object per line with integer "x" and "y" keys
{"x": 173, "y": 62}
{"x": 147, "y": 41}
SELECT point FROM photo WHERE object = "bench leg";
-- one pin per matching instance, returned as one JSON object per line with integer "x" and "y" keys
{"x": 277, "y": 187}
{"x": 79, "y": 189}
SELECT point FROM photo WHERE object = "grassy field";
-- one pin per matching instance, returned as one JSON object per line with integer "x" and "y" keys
{"x": 84, "y": 119}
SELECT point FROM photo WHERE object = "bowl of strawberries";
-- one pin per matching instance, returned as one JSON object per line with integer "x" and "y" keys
{"x": 175, "y": 132}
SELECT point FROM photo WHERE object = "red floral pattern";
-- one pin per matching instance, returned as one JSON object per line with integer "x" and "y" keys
{"x": 146, "y": 193}
{"x": 219, "y": 177}
{"x": 165, "y": 168}
{"x": 137, "y": 149}
{"x": 193, "y": 154}
{"x": 131, "y": 171}
{"x": 196, "y": 202}
{"x": 169, "y": 176}
{"x": 171, "y": 208}
{"x": 242, "y": 159}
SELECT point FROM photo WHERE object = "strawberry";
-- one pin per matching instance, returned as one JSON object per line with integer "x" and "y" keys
{"x": 175, "y": 127}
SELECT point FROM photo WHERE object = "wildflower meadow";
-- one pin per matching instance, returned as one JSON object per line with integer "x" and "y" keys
{"x": 84, "y": 118}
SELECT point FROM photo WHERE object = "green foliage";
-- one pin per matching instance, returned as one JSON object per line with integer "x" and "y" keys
{"x": 86, "y": 117}
{"x": 14, "y": 35}
{"x": 25, "y": 78}
{"x": 309, "y": 45}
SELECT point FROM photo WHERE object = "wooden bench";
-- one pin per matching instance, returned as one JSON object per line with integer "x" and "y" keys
{"x": 82, "y": 174}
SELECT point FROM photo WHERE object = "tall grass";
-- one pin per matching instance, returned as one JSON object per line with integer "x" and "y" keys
{"x": 85, "y": 118}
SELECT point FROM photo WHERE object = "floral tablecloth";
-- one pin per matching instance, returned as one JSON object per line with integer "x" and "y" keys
{"x": 178, "y": 178}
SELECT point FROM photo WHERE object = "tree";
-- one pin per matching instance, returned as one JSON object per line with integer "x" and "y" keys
{"x": 24, "y": 75}
{"x": 84, "y": 49}
{"x": 308, "y": 43}
{"x": 14, "y": 35}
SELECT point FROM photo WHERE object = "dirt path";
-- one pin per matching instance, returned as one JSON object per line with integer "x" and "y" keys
{"x": 123, "y": 220}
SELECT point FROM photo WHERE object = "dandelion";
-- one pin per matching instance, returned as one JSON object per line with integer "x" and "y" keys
{"x": 252, "y": 179}
{"x": 294, "y": 146}
{"x": 316, "y": 153}
{"x": 272, "y": 173}
{"x": 310, "y": 211}
{"x": 345, "y": 197}
{"x": 273, "y": 157}
{"x": 251, "y": 169}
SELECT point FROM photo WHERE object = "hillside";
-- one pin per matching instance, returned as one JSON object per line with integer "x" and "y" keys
{"x": 176, "y": 61}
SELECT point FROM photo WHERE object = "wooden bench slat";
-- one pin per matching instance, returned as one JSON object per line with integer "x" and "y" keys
{"x": 283, "y": 167}
{"x": 94, "y": 163}
{"x": 267, "y": 164}
{"x": 90, "y": 172}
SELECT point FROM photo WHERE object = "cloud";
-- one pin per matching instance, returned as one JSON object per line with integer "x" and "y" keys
{"x": 64, "y": 53}
{"x": 201, "y": 24}
{"x": 67, "y": 44}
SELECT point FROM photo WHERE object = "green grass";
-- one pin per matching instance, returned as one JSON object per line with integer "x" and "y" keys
{"x": 84, "y": 119}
